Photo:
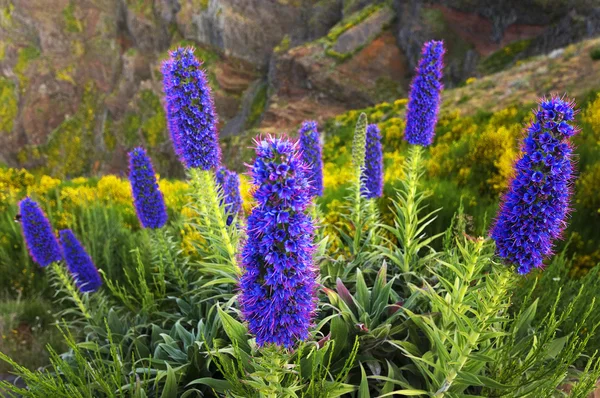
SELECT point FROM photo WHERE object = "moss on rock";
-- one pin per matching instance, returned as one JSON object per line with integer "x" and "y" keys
{"x": 504, "y": 57}
{"x": 25, "y": 56}
{"x": 8, "y": 105}
{"x": 258, "y": 106}
{"x": 154, "y": 122}
{"x": 72, "y": 23}
{"x": 72, "y": 138}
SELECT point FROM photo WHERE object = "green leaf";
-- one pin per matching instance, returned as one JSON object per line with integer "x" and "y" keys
{"x": 184, "y": 335}
{"x": 405, "y": 393}
{"x": 556, "y": 346}
{"x": 219, "y": 385}
{"x": 363, "y": 389}
{"x": 235, "y": 330}
{"x": 362, "y": 292}
{"x": 345, "y": 295}
{"x": 479, "y": 380}
{"x": 339, "y": 389}
{"x": 170, "y": 388}
{"x": 523, "y": 323}
{"x": 339, "y": 334}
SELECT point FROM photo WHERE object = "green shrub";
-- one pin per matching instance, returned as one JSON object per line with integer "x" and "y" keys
{"x": 595, "y": 54}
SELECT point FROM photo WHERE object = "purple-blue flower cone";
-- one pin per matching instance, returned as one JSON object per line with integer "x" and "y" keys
{"x": 229, "y": 182}
{"x": 372, "y": 174}
{"x": 425, "y": 95}
{"x": 191, "y": 115}
{"x": 278, "y": 287}
{"x": 148, "y": 201}
{"x": 312, "y": 156}
{"x": 37, "y": 231}
{"x": 79, "y": 263}
{"x": 534, "y": 210}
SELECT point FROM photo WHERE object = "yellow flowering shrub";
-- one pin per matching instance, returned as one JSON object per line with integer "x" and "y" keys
{"x": 246, "y": 191}
{"x": 591, "y": 115}
{"x": 493, "y": 155}
{"x": 45, "y": 185}
{"x": 393, "y": 162}
{"x": 175, "y": 192}
{"x": 118, "y": 190}
{"x": 334, "y": 176}
{"x": 587, "y": 190}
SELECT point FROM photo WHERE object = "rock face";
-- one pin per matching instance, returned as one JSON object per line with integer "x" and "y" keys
{"x": 85, "y": 78}
{"x": 250, "y": 29}
{"x": 309, "y": 84}
{"x": 486, "y": 36}
{"x": 80, "y": 81}
{"x": 361, "y": 34}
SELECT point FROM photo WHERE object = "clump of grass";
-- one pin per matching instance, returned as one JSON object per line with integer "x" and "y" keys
{"x": 26, "y": 328}
{"x": 595, "y": 53}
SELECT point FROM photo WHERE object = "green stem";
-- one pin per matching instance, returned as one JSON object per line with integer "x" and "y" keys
{"x": 196, "y": 182}
{"x": 413, "y": 172}
{"x": 69, "y": 286}
{"x": 357, "y": 211}
{"x": 170, "y": 261}
{"x": 473, "y": 337}
{"x": 215, "y": 208}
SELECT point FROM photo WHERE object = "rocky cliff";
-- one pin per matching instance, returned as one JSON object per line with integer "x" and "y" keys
{"x": 80, "y": 81}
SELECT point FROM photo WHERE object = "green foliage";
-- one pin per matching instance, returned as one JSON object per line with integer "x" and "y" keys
{"x": 8, "y": 105}
{"x": 471, "y": 160}
{"x": 504, "y": 57}
{"x": 283, "y": 46}
{"x": 73, "y": 137}
{"x": 153, "y": 125}
{"x": 353, "y": 20}
{"x": 275, "y": 372}
{"x": 25, "y": 56}
{"x": 358, "y": 230}
{"x": 344, "y": 25}
{"x": 72, "y": 24}
{"x": 433, "y": 323}
{"x": 408, "y": 242}
{"x": 218, "y": 249}
{"x": 595, "y": 54}
{"x": 259, "y": 102}
{"x": 25, "y": 330}
{"x": 131, "y": 128}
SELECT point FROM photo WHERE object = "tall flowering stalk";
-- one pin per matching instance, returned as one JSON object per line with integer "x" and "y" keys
{"x": 191, "y": 116}
{"x": 359, "y": 145}
{"x": 229, "y": 182}
{"x": 312, "y": 155}
{"x": 147, "y": 198}
{"x": 425, "y": 95}
{"x": 79, "y": 263}
{"x": 278, "y": 286}
{"x": 372, "y": 174}
{"x": 39, "y": 237}
{"x": 534, "y": 210}
{"x": 192, "y": 122}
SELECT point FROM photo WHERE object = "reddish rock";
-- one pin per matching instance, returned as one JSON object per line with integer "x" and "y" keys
{"x": 309, "y": 84}
{"x": 479, "y": 31}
